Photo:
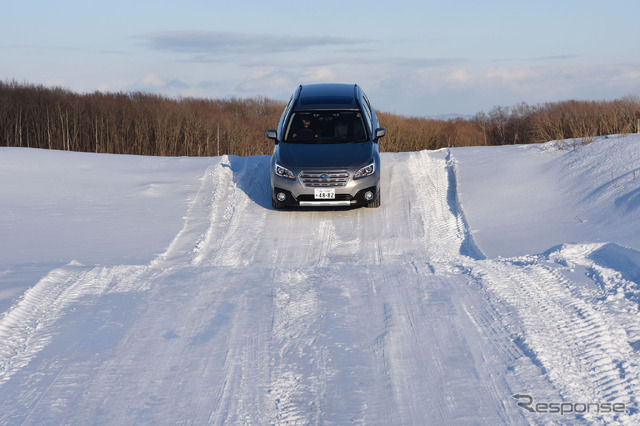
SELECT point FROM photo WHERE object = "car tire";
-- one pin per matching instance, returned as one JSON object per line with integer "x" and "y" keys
{"x": 375, "y": 203}
{"x": 278, "y": 205}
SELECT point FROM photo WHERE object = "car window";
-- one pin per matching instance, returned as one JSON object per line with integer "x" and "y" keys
{"x": 325, "y": 127}
{"x": 286, "y": 111}
{"x": 367, "y": 111}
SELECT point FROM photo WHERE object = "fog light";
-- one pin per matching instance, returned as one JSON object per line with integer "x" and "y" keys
{"x": 368, "y": 195}
{"x": 281, "y": 196}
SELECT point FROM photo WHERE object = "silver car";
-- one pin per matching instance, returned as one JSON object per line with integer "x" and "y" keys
{"x": 326, "y": 149}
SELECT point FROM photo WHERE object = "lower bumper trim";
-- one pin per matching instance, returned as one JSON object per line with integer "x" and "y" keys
{"x": 324, "y": 203}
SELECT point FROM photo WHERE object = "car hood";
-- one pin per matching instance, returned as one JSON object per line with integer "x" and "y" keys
{"x": 342, "y": 155}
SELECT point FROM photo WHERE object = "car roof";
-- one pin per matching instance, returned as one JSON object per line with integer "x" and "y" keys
{"x": 327, "y": 96}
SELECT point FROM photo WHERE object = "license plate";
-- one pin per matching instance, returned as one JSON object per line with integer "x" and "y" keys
{"x": 325, "y": 194}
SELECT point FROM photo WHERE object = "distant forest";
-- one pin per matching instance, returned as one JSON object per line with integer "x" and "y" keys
{"x": 146, "y": 124}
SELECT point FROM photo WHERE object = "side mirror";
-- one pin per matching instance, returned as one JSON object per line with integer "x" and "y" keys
{"x": 272, "y": 134}
{"x": 380, "y": 132}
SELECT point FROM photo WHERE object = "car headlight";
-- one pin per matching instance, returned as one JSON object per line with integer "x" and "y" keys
{"x": 283, "y": 172}
{"x": 367, "y": 170}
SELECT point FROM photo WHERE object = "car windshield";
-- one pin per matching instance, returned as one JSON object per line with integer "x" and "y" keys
{"x": 325, "y": 127}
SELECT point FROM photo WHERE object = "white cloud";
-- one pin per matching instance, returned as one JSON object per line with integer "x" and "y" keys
{"x": 276, "y": 80}
{"x": 261, "y": 73}
{"x": 627, "y": 75}
{"x": 459, "y": 77}
{"x": 152, "y": 80}
{"x": 112, "y": 85}
{"x": 264, "y": 81}
{"x": 318, "y": 74}
{"x": 509, "y": 75}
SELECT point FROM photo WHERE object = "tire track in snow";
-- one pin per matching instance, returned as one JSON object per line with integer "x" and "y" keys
{"x": 431, "y": 358}
{"x": 27, "y": 327}
{"x": 616, "y": 270}
{"x": 295, "y": 398}
{"x": 583, "y": 351}
{"x": 40, "y": 306}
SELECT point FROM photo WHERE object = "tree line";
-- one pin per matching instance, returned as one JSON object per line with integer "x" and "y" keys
{"x": 524, "y": 124}
{"x": 146, "y": 124}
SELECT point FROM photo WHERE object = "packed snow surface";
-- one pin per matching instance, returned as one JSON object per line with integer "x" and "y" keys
{"x": 494, "y": 285}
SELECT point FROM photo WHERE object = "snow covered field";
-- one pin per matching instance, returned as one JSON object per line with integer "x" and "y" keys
{"x": 166, "y": 290}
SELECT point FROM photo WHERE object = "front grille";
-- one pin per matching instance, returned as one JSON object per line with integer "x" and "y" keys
{"x": 324, "y": 179}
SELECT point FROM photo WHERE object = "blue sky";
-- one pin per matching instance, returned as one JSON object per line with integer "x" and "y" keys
{"x": 416, "y": 58}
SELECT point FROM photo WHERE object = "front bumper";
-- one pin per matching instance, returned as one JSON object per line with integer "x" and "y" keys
{"x": 341, "y": 200}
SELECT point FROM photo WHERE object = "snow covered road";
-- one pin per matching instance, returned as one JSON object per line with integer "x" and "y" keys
{"x": 377, "y": 316}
